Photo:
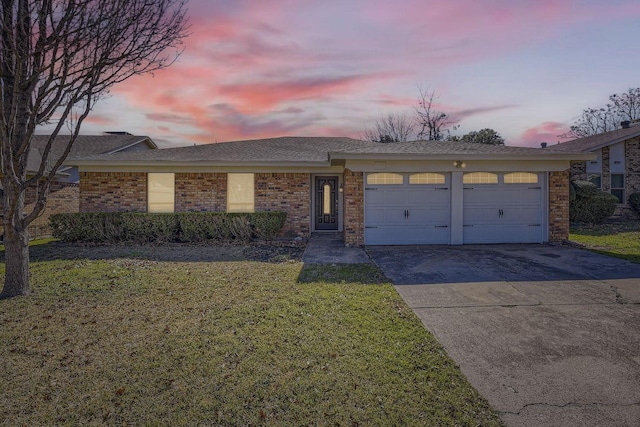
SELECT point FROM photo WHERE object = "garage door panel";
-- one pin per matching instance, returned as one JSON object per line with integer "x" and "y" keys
{"x": 503, "y": 233}
{"x": 503, "y": 213}
{"x": 403, "y": 235}
{"x": 407, "y": 214}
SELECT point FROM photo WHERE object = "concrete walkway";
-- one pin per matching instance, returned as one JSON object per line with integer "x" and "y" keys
{"x": 549, "y": 335}
{"x": 328, "y": 248}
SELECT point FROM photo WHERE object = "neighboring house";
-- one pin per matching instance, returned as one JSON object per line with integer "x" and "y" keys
{"x": 375, "y": 194}
{"x": 616, "y": 168}
{"x": 64, "y": 191}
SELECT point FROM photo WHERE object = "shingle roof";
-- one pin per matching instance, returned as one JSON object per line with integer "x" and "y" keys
{"x": 594, "y": 142}
{"x": 310, "y": 150}
{"x": 84, "y": 146}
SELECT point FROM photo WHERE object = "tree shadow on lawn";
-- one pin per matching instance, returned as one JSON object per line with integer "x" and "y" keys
{"x": 167, "y": 252}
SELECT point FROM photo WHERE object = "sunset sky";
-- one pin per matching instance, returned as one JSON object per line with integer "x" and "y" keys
{"x": 256, "y": 69}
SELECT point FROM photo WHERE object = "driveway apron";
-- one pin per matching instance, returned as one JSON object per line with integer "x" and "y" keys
{"x": 550, "y": 335}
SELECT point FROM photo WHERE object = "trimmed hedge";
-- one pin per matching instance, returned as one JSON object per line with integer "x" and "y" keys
{"x": 588, "y": 204}
{"x": 634, "y": 202}
{"x": 132, "y": 227}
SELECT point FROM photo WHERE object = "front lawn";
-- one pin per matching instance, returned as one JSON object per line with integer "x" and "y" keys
{"x": 621, "y": 239}
{"x": 224, "y": 338}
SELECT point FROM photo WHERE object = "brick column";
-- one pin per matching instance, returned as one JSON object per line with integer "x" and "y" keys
{"x": 558, "y": 206}
{"x": 353, "y": 208}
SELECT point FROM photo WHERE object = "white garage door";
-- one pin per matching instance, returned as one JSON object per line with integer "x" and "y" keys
{"x": 403, "y": 209}
{"x": 503, "y": 208}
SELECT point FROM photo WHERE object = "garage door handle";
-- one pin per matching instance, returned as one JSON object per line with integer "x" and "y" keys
{"x": 500, "y": 213}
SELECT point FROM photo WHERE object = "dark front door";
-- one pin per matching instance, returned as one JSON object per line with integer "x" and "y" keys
{"x": 326, "y": 203}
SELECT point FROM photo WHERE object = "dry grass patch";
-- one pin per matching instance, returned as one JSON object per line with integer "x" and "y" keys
{"x": 142, "y": 342}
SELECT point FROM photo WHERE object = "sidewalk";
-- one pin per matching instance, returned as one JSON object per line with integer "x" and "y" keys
{"x": 329, "y": 249}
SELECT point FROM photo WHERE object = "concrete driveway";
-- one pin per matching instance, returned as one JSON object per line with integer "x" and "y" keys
{"x": 550, "y": 335}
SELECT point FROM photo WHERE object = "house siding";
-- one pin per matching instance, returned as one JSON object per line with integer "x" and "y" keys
{"x": 113, "y": 192}
{"x": 353, "y": 208}
{"x": 289, "y": 192}
{"x": 196, "y": 192}
{"x": 559, "y": 206}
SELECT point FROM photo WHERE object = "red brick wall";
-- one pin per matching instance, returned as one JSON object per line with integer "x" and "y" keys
{"x": 558, "y": 206}
{"x": 353, "y": 208}
{"x": 289, "y": 192}
{"x": 201, "y": 192}
{"x": 113, "y": 192}
{"x": 579, "y": 171}
{"x": 63, "y": 198}
{"x": 606, "y": 176}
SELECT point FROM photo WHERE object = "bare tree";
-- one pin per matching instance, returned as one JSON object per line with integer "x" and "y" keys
{"x": 621, "y": 107}
{"x": 391, "y": 128}
{"x": 57, "y": 59}
{"x": 432, "y": 122}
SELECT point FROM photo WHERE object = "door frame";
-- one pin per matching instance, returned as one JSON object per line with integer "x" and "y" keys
{"x": 340, "y": 201}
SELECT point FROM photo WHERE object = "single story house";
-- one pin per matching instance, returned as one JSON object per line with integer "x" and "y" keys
{"x": 421, "y": 192}
{"x": 616, "y": 168}
{"x": 64, "y": 191}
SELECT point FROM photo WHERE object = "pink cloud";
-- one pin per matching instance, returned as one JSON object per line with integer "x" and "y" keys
{"x": 549, "y": 132}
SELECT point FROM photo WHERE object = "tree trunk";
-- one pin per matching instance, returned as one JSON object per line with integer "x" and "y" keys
{"x": 16, "y": 247}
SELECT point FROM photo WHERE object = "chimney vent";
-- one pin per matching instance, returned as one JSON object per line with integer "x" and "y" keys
{"x": 625, "y": 124}
{"x": 543, "y": 144}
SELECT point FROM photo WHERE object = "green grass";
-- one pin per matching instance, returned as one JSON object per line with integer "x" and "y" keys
{"x": 141, "y": 342}
{"x": 620, "y": 240}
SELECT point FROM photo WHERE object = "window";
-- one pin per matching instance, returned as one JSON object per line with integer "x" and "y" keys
{"x": 385, "y": 178}
{"x": 426, "y": 178}
{"x": 240, "y": 192}
{"x": 596, "y": 179}
{"x": 160, "y": 192}
{"x": 521, "y": 178}
{"x": 480, "y": 178}
{"x": 617, "y": 186}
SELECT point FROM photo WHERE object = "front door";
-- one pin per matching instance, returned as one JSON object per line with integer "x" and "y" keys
{"x": 326, "y": 203}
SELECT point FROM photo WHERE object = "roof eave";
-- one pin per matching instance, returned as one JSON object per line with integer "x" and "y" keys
{"x": 570, "y": 156}
{"x": 200, "y": 163}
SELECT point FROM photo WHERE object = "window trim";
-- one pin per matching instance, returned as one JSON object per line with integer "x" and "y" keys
{"x": 622, "y": 189}
{"x": 152, "y": 204}
{"x": 480, "y": 174}
{"x": 438, "y": 178}
{"x": 384, "y": 175}
{"x": 521, "y": 175}
{"x": 235, "y": 206}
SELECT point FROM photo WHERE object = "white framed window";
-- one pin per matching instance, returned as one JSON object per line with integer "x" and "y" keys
{"x": 427, "y": 178}
{"x": 160, "y": 192}
{"x": 240, "y": 192}
{"x": 596, "y": 179}
{"x": 385, "y": 178}
{"x": 520, "y": 178}
{"x": 480, "y": 178}
{"x": 617, "y": 186}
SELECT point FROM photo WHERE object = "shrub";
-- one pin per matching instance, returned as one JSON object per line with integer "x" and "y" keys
{"x": 158, "y": 227}
{"x": 634, "y": 202}
{"x": 267, "y": 225}
{"x": 588, "y": 204}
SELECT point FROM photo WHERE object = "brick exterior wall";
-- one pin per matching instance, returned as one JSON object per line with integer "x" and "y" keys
{"x": 201, "y": 192}
{"x": 558, "y": 206}
{"x": 113, "y": 192}
{"x": 579, "y": 171}
{"x": 289, "y": 192}
{"x": 63, "y": 198}
{"x": 353, "y": 208}
{"x": 606, "y": 175}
